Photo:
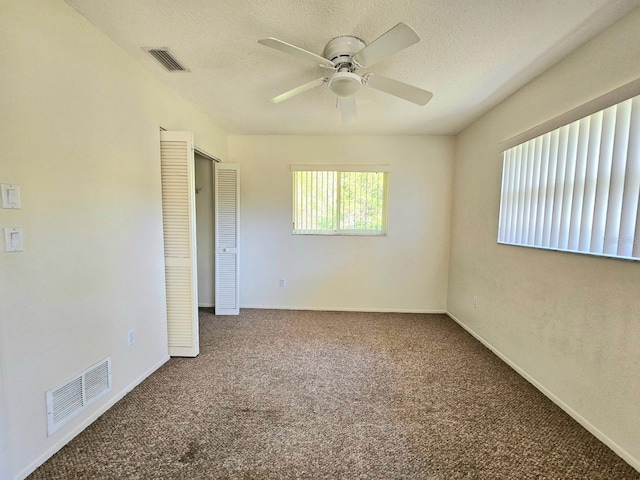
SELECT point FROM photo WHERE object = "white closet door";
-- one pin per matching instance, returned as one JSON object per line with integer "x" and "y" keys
{"x": 227, "y": 220}
{"x": 179, "y": 225}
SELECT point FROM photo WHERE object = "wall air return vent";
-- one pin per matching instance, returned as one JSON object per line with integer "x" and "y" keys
{"x": 69, "y": 399}
{"x": 166, "y": 59}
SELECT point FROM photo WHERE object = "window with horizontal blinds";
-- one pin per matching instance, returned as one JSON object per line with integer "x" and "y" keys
{"x": 577, "y": 188}
{"x": 339, "y": 200}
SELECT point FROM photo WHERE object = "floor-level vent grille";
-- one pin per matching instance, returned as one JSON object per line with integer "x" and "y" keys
{"x": 66, "y": 401}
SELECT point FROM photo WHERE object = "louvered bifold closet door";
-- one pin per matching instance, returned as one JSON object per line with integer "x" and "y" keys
{"x": 178, "y": 218}
{"x": 227, "y": 216}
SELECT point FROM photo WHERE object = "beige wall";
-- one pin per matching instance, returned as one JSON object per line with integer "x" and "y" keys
{"x": 404, "y": 271}
{"x": 79, "y": 132}
{"x": 569, "y": 322}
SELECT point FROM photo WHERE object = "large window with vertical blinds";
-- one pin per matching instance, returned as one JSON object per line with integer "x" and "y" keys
{"x": 576, "y": 188}
{"x": 340, "y": 199}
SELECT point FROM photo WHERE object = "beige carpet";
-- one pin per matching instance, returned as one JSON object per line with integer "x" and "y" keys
{"x": 321, "y": 395}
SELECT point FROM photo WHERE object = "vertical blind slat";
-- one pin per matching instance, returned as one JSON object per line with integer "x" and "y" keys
{"x": 590, "y": 182}
{"x": 511, "y": 233}
{"x": 628, "y": 232}
{"x": 559, "y": 186}
{"x": 522, "y": 179}
{"x": 604, "y": 180}
{"x": 578, "y": 183}
{"x": 542, "y": 189}
{"x": 309, "y": 215}
{"x": 527, "y": 192}
{"x": 503, "y": 194}
{"x": 618, "y": 167}
{"x": 535, "y": 189}
{"x": 513, "y": 207}
{"x": 551, "y": 190}
{"x": 516, "y": 192}
{"x": 569, "y": 178}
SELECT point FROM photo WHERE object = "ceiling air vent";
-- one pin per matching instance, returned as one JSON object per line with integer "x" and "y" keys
{"x": 166, "y": 59}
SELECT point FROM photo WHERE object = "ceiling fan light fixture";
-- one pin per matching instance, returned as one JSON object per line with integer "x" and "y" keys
{"x": 344, "y": 84}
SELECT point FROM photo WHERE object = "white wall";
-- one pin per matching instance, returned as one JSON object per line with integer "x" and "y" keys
{"x": 570, "y": 322}
{"x": 404, "y": 271}
{"x": 205, "y": 231}
{"x": 4, "y": 414}
{"x": 79, "y": 132}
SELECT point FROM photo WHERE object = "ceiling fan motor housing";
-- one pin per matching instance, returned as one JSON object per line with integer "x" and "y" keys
{"x": 340, "y": 50}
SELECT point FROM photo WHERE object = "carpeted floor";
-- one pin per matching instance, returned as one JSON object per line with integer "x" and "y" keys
{"x": 325, "y": 395}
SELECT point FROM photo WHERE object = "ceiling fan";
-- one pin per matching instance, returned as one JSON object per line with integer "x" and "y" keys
{"x": 345, "y": 55}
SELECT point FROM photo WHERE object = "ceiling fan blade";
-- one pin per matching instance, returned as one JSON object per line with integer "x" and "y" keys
{"x": 348, "y": 109}
{"x": 399, "y": 89}
{"x": 298, "y": 90}
{"x": 398, "y": 38}
{"x": 296, "y": 51}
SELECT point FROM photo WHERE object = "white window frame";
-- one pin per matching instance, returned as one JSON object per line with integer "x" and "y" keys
{"x": 573, "y": 183}
{"x": 339, "y": 170}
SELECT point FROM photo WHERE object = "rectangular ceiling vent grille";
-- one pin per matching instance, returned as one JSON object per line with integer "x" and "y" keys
{"x": 68, "y": 400}
{"x": 166, "y": 59}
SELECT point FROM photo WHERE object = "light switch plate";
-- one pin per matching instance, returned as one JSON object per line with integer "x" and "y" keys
{"x": 10, "y": 195}
{"x": 13, "y": 239}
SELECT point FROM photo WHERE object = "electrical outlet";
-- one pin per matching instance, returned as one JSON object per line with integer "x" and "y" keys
{"x": 283, "y": 282}
{"x": 131, "y": 337}
{"x": 476, "y": 301}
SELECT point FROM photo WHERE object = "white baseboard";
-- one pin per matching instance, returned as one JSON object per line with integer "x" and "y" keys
{"x": 206, "y": 305}
{"x": 343, "y": 309}
{"x": 29, "y": 469}
{"x": 595, "y": 431}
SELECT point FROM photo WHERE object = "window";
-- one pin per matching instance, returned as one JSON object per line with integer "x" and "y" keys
{"x": 576, "y": 188}
{"x": 339, "y": 200}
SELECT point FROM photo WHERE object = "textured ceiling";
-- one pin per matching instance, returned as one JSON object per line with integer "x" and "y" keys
{"x": 472, "y": 54}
